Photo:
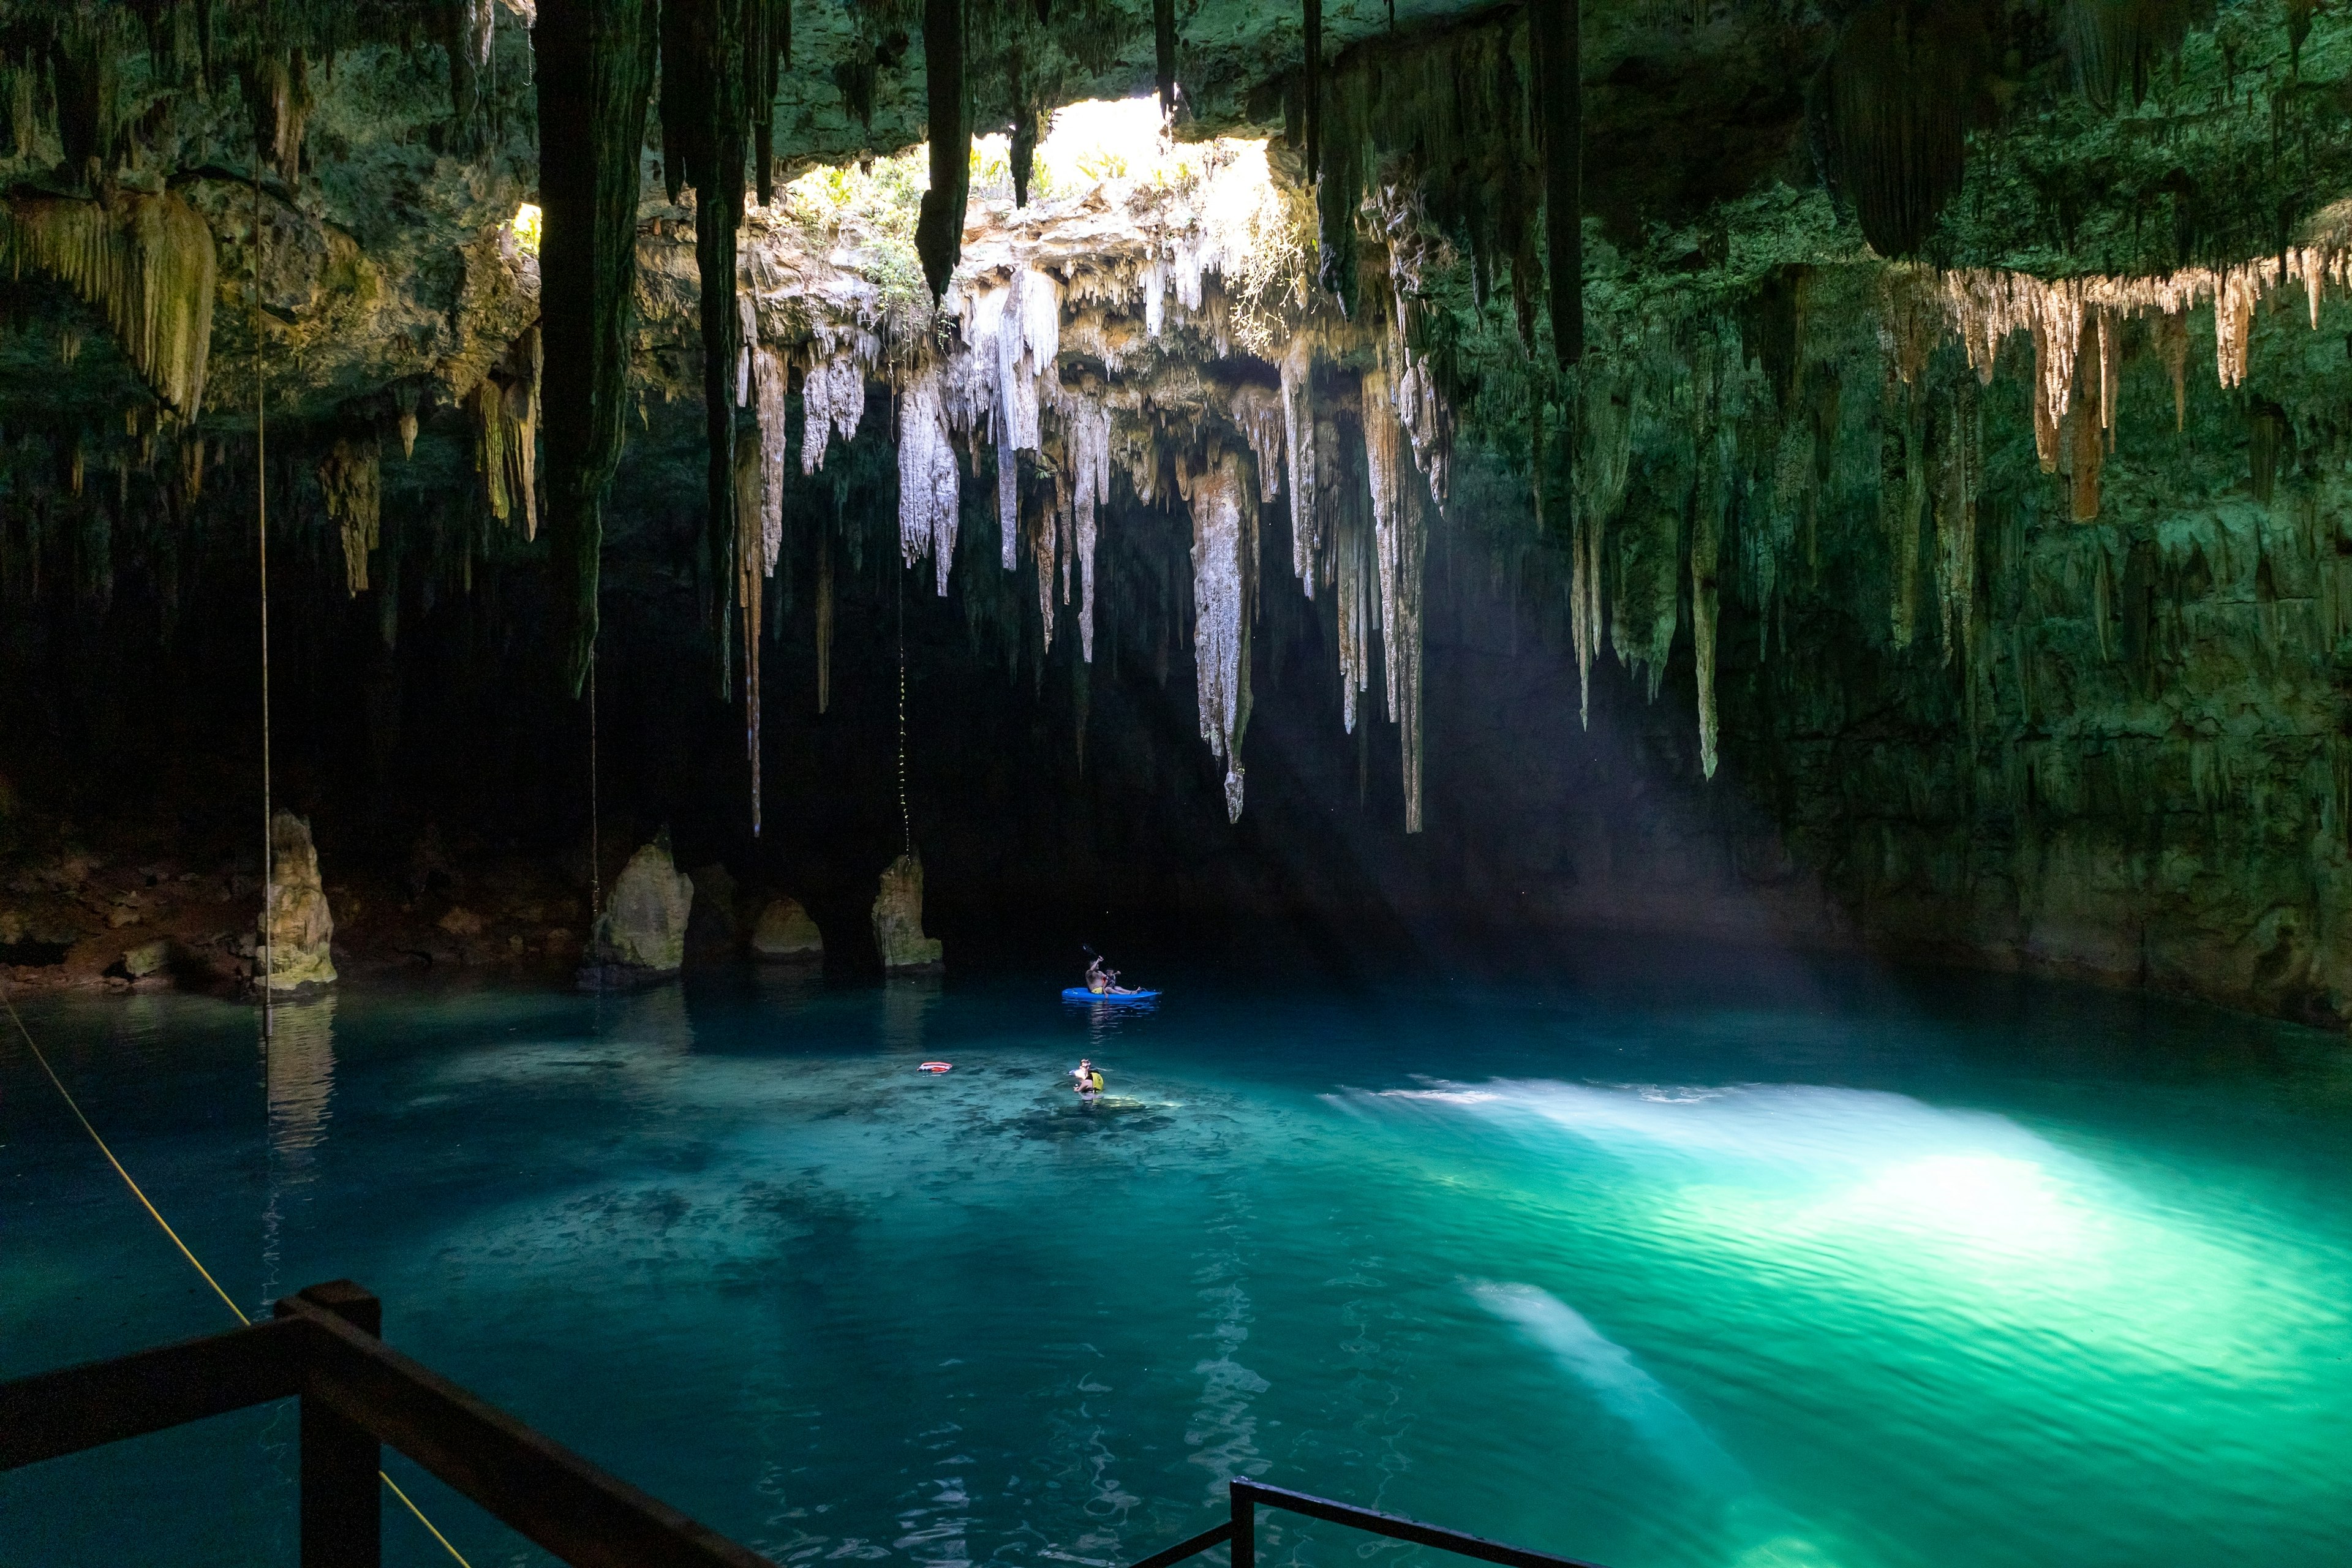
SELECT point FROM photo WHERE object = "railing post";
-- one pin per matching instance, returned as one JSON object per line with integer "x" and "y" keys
{"x": 1245, "y": 1503}
{"x": 342, "y": 1511}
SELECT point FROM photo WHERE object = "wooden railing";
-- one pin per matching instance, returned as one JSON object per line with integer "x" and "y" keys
{"x": 358, "y": 1394}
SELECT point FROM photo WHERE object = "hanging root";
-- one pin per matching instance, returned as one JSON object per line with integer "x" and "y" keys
{"x": 938, "y": 229}
{"x": 595, "y": 62}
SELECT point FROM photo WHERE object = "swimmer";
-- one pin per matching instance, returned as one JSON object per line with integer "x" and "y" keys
{"x": 1089, "y": 1082}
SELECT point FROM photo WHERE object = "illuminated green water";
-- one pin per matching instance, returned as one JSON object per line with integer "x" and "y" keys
{"x": 1778, "y": 1271}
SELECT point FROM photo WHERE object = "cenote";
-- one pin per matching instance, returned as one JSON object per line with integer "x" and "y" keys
{"x": 1795, "y": 1267}
{"x": 1703, "y": 647}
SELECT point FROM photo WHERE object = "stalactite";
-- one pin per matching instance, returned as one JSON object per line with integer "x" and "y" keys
{"x": 1221, "y": 627}
{"x": 505, "y": 406}
{"x": 350, "y": 480}
{"x": 770, "y": 392}
{"x": 1899, "y": 87}
{"x": 281, "y": 106}
{"x": 1298, "y": 433}
{"x": 1044, "y": 548}
{"x": 1705, "y": 551}
{"x": 147, "y": 265}
{"x": 1400, "y": 545}
{"x": 1956, "y": 524}
{"x": 832, "y": 402}
{"x": 1028, "y": 125}
{"x": 1354, "y": 587}
{"x": 465, "y": 39}
{"x": 593, "y": 69}
{"x": 2172, "y": 348}
{"x": 405, "y": 395}
{"x": 823, "y": 621}
{"x": 752, "y": 564}
{"x": 938, "y": 228}
{"x": 1555, "y": 30}
{"x": 1088, "y": 444}
{"x": 1311, "y": 88}
{"x": 1163, "y": 51}
{"x": 1646, "y": 606}
{"x": 707, "y": 77}
{"x": 928, "y": 482}
{"x": 1602, "y": 472}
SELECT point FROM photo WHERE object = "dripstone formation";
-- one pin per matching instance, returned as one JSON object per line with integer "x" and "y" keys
{"x": 1863, "y": 473}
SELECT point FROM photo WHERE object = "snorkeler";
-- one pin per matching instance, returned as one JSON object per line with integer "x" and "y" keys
{"x": 1089, "y": 1082}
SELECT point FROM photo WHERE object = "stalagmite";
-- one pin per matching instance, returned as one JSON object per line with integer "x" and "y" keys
{"x": 148, "y": 266}
{"x": 1299, "y": 432}
{"x": 299, "y": 927}
{"x": 593, "y": 68}
{"x": 832, "y": 402}
{"x": 899, "y": 918}
{"x": 928, "y": 482}
{"x": 1220, "y": 626}
{"x": 350, "y": 480}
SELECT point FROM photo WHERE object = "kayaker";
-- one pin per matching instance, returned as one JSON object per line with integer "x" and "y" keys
{"x": 1100, "y": 980}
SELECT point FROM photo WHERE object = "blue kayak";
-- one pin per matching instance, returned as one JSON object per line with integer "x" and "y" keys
{"x": 1080, "y": 993}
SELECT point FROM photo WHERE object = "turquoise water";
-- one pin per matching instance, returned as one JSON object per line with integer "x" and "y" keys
{"x": 1794, "y": 1268}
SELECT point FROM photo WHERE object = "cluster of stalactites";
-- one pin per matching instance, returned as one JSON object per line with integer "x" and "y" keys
{"x": 505, "y": 408}
{"x": 1983, "y": 307}
{"x": 928, "y": 478}
{"x": 832, "y": 402}
{"x": 351, "y": 480}
{"x": 1400, "y": 557}
{"x": 1225, "y": 557}
{"x": 145, "y": 262}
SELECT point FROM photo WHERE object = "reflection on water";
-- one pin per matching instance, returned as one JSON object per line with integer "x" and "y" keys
{"x": 299, "y": 1054}
{"x": 1943, "y": 1296}
{"x": 908, "y": 1001}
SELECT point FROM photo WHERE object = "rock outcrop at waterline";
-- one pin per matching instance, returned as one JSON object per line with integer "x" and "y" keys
{"x": 640, "y": 938}
{"x": 298, "y": 952}
{"x": 898, "y": 919}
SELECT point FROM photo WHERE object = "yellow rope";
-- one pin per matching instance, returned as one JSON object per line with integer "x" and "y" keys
{"x": 67, "y": 1095}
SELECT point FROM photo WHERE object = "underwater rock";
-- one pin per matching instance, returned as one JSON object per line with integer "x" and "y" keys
{"x": 899, "y": 918}
{"x": 641, "y": 936}
{"x": 785, "y": 934}
{"x": 300, "y": 929}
